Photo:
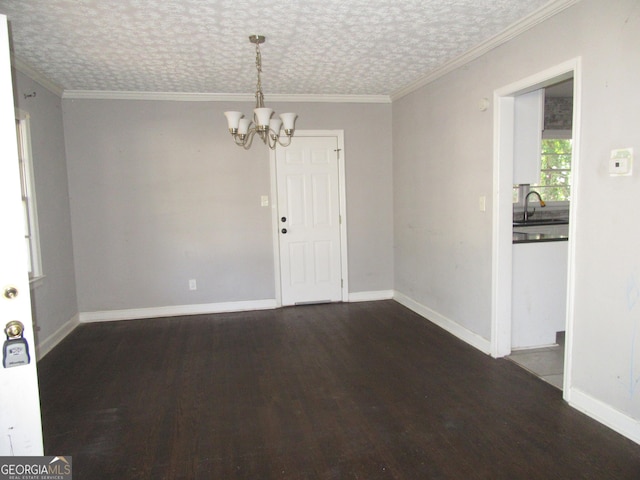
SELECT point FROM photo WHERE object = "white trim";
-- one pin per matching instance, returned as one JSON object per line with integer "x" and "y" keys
{"x": 339, "y": 135}
{"x": 342, "y": 178}
{"x": 502, "y": 203}
{"x": 603, "y": 413}
{"x": 219, "y": 97}
{"x": 540, "y": 15}
{"x": 576, "y": 155}
{"x": 447, "y": 324}
{"x": 176, "y": 310}
{"x": 554, "y": 134}
{"x": 275, "y": 222}
{"x": 45, "y": 346}
{"x": 502, "y": 242}
{"x": 25, "y": 155}
{"x": 26, "y": 69}
{"x": 371, "y": 296}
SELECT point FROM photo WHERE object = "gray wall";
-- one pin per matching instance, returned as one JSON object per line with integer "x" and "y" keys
{"x": 443, "y": 162}
{"x": 160, "y": 194}
{"x": 54, "y": 298}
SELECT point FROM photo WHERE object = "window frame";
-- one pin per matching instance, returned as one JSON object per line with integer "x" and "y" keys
{"x": 519, "y": 191}
{"x": 28, "y": 191}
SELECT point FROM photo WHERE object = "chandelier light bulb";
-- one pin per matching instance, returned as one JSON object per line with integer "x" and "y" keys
{"x": 289, "y": 121}
{"x": 275, "y": 124}
{"x": 233, "y": 119}
{"x": 263, "y": 115}
{"x": 243, "y": 127}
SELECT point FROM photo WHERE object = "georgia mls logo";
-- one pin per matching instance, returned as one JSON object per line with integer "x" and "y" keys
{"x": 63, "y": 466}
{"x": 35, "y": 468}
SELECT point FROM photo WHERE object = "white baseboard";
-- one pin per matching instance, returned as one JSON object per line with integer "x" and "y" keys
{"x": 200, "y": 309}
{"x": 449, "y": 325}
{"x": 45, "y": 346}
{"x": 177, "y": 310}
{"x": 605, "y": 414}
{"x": 370, "y": 296}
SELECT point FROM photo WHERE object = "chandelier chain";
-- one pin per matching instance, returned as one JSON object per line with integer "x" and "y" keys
{"x": 259, "y": 94}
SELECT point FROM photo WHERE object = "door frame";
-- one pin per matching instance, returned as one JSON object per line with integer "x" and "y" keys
{"x": 342, "y": 192}
{"x": 503, "y": 101}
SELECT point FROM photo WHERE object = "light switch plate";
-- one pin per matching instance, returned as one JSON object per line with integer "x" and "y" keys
{"x": 482, "y": 203}
{"x": 621, "y": 162}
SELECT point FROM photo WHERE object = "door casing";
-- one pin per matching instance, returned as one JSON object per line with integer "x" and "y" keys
{"x": 503, "y": 214}
{"x": 339, "y": 135}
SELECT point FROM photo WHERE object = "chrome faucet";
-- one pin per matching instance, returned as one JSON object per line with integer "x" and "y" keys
{"x": 526, "y": 203}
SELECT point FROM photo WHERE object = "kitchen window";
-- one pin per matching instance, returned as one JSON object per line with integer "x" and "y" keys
{"x": 555, "y": 171}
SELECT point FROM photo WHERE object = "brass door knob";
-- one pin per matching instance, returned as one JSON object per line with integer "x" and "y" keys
{"x": 14, "y": 329}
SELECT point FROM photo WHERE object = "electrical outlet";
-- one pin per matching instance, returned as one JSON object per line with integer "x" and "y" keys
{"x": 192, "y": 284}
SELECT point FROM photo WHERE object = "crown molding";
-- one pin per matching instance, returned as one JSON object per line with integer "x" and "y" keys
{"x": 549, "y": 10}
{"x": 219, "y": 97}
{"x": 26, "y": 69}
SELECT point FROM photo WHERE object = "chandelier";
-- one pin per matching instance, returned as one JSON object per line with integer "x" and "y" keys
{"x": 270, "y": 130}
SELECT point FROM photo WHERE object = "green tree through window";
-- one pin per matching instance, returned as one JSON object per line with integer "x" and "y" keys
{"x": 555, "y": 170}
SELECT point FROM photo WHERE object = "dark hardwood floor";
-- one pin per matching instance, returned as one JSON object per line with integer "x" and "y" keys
{"x": 343, "y": 391}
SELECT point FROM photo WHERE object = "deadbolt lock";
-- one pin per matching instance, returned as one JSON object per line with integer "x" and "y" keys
{"x": 10, "y": 292}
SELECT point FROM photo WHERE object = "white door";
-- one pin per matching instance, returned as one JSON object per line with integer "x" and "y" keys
{"x": 308, "y": 190}
{"x": 20, "y": 425}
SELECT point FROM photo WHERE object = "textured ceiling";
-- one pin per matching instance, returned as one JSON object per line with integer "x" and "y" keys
{"x": 330, "y": 47}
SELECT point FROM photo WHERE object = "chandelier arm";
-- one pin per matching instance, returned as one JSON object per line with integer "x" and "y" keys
{"x": 271, "y": 139}
{"x": 249, "y": 140}
{"x": 281, "y": 143}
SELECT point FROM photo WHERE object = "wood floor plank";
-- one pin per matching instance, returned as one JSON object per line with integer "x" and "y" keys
{"x": 342, "y": 391}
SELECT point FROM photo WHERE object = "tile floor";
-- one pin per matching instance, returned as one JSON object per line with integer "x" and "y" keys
{"x": 545, "y": 362}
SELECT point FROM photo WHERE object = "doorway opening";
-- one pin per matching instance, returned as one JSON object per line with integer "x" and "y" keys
{"x": 502, "y": 341}
{"x": 541, "y": 202}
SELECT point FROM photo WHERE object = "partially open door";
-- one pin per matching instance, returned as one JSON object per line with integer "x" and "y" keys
{"x": 20, "y": 423}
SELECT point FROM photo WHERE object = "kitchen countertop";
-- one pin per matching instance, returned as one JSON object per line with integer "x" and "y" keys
{"x": 554, "y": 232}
{"x": 524, "y": 237}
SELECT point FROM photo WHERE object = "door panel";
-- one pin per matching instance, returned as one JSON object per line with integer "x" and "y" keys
{"x": 307, "y": 177}
{"x": 20, "y": 425}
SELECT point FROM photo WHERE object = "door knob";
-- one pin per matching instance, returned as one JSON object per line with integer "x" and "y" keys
{"x": 15, "y": 351}
{"x": 284, "y": 230}
{"x": 14, "y": 329}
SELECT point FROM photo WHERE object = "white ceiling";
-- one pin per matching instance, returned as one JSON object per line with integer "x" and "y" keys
{"x": 313, "y": 47}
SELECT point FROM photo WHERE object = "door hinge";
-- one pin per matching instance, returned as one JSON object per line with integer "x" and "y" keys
{"x": 341, "y": 283}
{"x": 337, "y": 150}
{"x": 339, "y": 219}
